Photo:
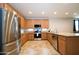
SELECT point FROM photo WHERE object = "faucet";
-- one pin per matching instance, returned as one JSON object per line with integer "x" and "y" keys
{"x": 54, "y": 29}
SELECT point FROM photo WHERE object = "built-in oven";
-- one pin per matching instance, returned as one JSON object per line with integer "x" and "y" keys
{"x": 37, "y": 31}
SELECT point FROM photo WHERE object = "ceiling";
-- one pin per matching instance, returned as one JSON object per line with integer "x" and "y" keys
{"x": 46, "y": 10}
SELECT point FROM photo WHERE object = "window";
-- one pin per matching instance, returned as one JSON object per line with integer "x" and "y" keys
{"x": 76, "y": 25}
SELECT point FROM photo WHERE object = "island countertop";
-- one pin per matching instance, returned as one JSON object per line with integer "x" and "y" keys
{"x": 68, "y": 43}
{"x": 66, "y": 34}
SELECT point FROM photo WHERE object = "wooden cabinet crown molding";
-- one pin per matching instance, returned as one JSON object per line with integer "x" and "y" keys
{"x": 1, "y": 5}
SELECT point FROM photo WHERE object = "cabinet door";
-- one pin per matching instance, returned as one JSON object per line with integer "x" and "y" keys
{"x": 23, "y": 22}
{"x": 24, "y": 39}
{"x": 29, "y": 24}
{"x": 50, "y": 38}
{"x": 55, "y": 41}
{"x": 62, "y": 45}
{"x": 44, "y": 35}
{"x": 32, "y": 22}
{"x": 44, "y": 23}
{"x": 30, "y": 36}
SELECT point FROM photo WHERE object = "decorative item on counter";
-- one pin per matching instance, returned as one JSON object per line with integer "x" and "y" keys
{"x": 48, "y": 30}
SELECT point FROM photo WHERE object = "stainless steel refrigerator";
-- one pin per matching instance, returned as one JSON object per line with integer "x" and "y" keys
{"x": 9, "y": 33}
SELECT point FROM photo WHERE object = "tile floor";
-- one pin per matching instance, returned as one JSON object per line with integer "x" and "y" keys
{"x": 38, "y": 48}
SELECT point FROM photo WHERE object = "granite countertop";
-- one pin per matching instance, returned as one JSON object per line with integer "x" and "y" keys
{"x": 68, "y": 34}
{"x": 63, "y": 34}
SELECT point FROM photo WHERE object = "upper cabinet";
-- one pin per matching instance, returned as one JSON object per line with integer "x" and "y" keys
{"x": 32, "y": 22}
{"x": 44, "y": 23}
{"x": 23, "y": 23}
{"x": 29, "y": 24}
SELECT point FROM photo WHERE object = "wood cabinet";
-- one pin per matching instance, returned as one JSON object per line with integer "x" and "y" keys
{"x": 9, "y": 7}
{"x": 44, "y": 35}
{"x": 62, "y": 45}
{"x": 68, "y": 45}
{"x": 53, "y": 39}
{"x": 44, "y": 24}
{"x": 24, "y": 38}
{"x": 27, "y": 37}
{"x": 32, "y": 22}
{"x": 49, "y": 35}
{"x": 23, "y": 23}
{"x": 30, "y": 36}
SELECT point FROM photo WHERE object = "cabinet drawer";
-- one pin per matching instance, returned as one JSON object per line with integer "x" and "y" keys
{"x": 62, "y": 44}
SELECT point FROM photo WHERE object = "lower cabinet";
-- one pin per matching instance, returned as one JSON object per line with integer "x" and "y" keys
{"x": 49, "y": 35}
{"x": 53, "y": 39}
{"x": 68, "y": 45}
{"x": 24, "y": 38}
{"x": 44, "y": 35}
{"x": 62, "y": 45}
{"x": 30, "y": 36}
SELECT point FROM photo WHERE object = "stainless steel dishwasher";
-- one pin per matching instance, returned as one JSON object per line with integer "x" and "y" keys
{"x": 55, "y": 41}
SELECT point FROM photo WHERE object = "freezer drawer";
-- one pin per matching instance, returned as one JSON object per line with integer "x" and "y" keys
{"x": 10, "y": 46}
{"x": 13, "y": 52}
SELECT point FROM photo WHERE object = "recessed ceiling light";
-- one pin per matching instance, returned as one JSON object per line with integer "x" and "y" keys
{"x": 30, "y": 12}
{"x": 14, "y": 12}
{"x": 66, "y": 13}
{"x": 74, "y": 13}
{"x": 42, "y": 12}
{"x": 55, "y": 13}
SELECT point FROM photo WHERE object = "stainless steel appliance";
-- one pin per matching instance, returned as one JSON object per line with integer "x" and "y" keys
{"x": 9, "y": 29}
{"x": 37, "y": 31}
{"x": 55, "y": 41}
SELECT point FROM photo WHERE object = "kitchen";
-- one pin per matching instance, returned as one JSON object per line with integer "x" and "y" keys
{"x": 40, "y": 24}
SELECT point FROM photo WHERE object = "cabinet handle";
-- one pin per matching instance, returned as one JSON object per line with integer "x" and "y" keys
{"x": 53, "y": 36}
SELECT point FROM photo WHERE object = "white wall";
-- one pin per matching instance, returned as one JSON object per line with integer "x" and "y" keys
{"x": 61, "y": 24}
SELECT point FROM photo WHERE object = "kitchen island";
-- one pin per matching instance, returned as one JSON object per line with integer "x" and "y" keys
{"x": 68, "y": 43}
